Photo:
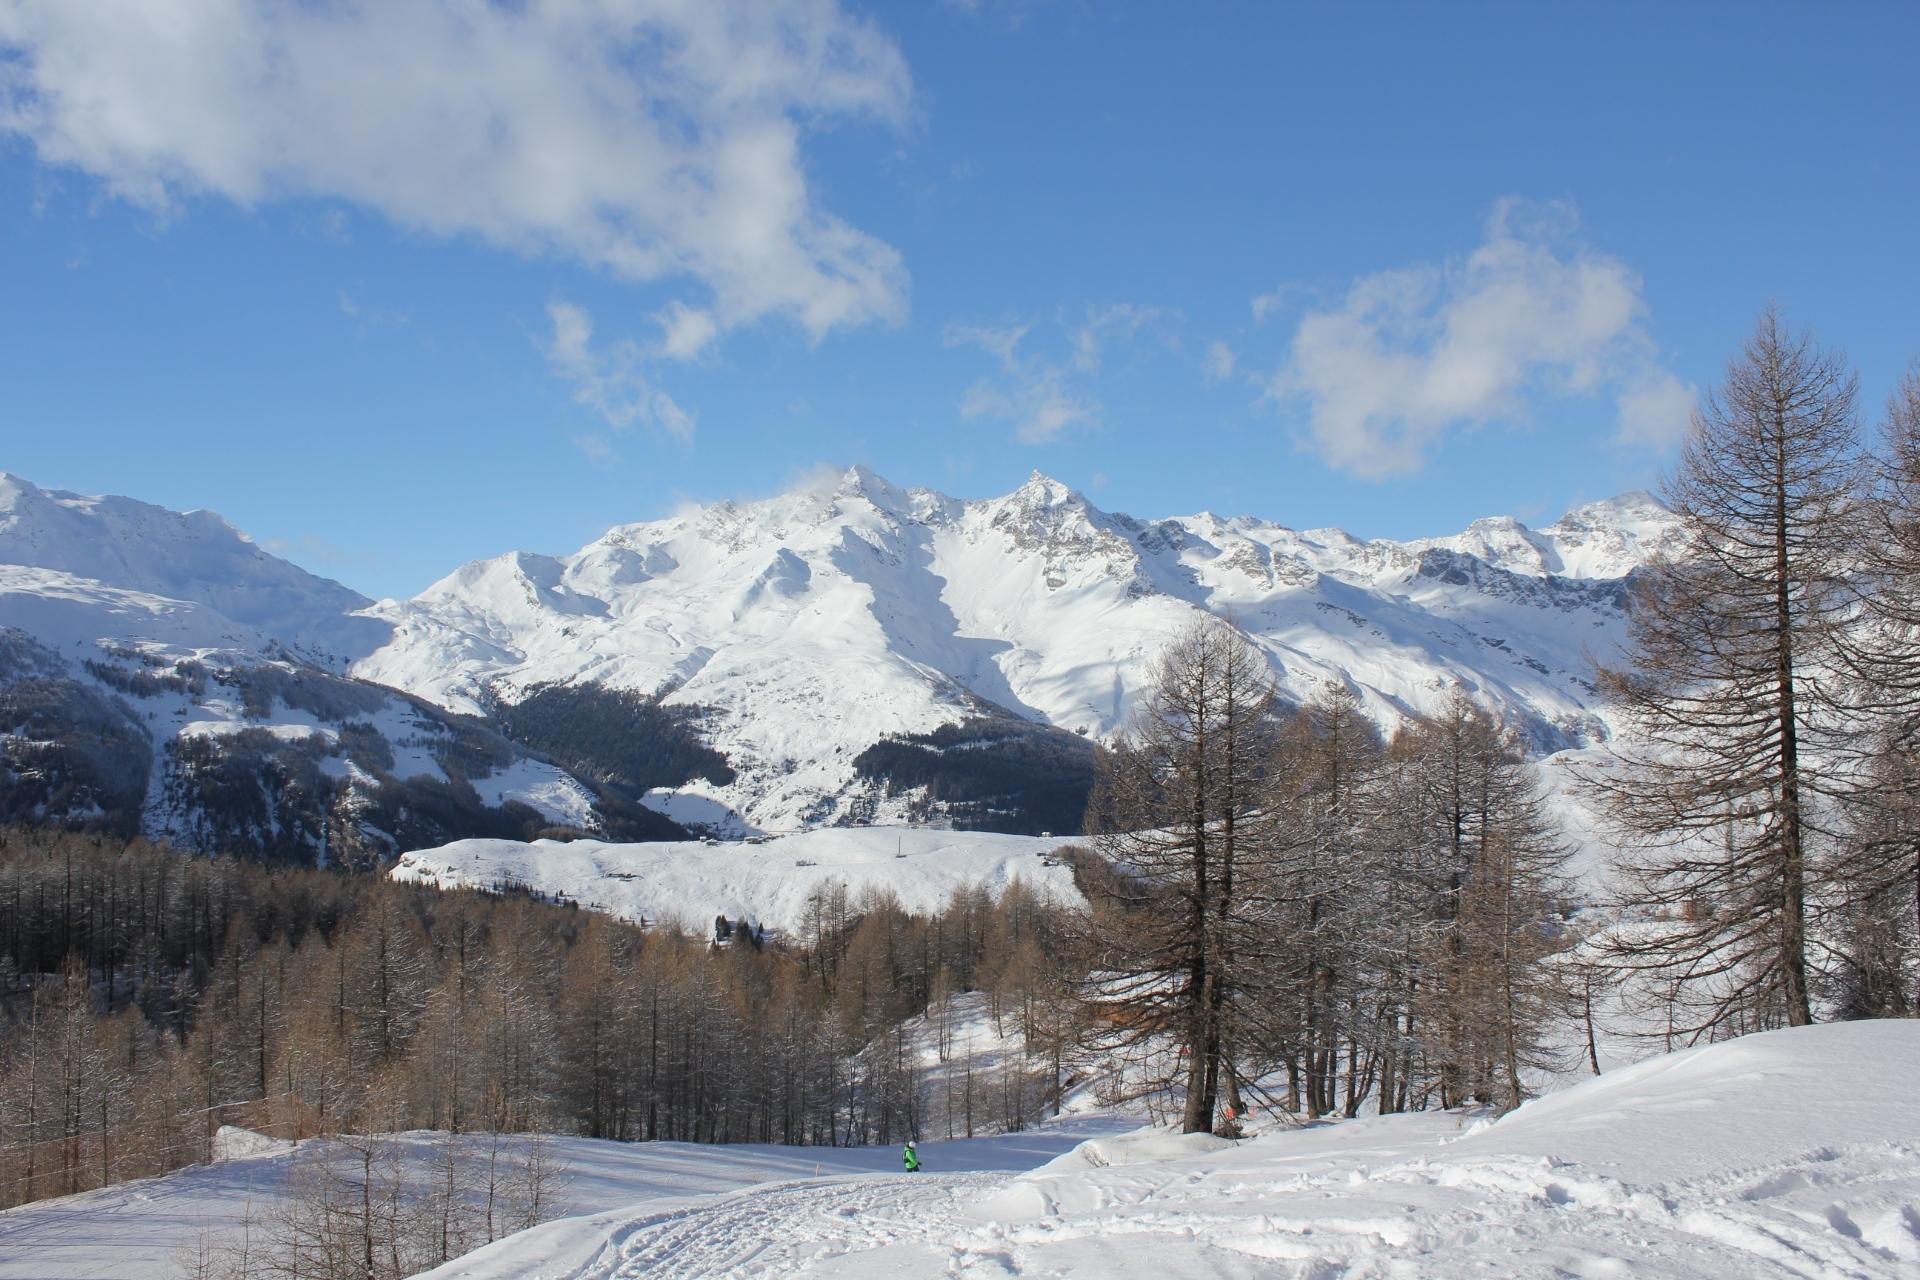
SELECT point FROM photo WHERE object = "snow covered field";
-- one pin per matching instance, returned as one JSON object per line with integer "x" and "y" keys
{"x": 766, "y": 882}
{"x": 1790, "y": 1154}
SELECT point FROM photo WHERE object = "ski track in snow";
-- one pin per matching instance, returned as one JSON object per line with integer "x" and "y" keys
{"x": 1414, "y": 1220}
{"x": 798, "y": 1228}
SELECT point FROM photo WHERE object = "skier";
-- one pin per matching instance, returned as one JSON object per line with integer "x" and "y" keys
{"x": 911, "y": 1158}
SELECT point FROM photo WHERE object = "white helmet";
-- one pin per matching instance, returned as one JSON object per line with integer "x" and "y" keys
{"x": 909, "y": 1144}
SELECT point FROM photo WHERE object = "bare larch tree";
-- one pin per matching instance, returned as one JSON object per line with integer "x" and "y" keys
{"x": 1178, "y": 803}
{"x": 1730, "y": 686}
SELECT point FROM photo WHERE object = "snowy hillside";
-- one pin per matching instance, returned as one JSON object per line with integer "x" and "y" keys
{"x": 814, "y": 624}
{"x": 266, "y": 759}
{"x": 765, "y": 882}
{"x": 161, "y": 674}
{"x": 1788, "y": 1154}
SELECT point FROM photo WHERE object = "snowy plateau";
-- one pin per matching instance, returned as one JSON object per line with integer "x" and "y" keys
{"x": 840, "y": 653}
{"x": 766, "y": 882}
{"x": 1791, "y": 1154}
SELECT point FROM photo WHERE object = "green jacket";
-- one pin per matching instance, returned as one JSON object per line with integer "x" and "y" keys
{"x": 911, "y": 1159}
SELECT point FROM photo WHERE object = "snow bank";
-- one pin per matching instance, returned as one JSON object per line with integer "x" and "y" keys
{"x": 1795, "y": 1153}
{"x": 766, "y": 880}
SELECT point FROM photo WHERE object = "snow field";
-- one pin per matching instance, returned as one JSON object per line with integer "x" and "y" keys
{"x": 1792, "y": 1154}
{"x": 811, "y": 624}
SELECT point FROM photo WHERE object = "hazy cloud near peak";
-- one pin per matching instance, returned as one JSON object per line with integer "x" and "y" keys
{"x": 1412, "y": 354}
{"x": 1031, "y": 392}
{"x": 610, "y": 379}
{"x": 1219, "y": 362}
{"x": 654, "y": 140}
{"x": 1043, "y": 395}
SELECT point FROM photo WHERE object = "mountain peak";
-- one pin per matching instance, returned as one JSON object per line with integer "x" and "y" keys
{"x": 1635, "y": 505}
{"x": 862, "y": 481}
{"x": 1043, "y": 489}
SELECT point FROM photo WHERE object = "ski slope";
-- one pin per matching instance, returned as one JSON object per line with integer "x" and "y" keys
{"x": 1790, "y": 1154}
{"x": 764, "y": 881}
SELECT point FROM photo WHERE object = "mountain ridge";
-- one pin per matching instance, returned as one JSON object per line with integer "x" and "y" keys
{"x": 813, "y": 623}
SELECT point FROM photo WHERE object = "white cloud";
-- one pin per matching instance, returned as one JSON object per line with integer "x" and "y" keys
{"x": 1412, "y": 354}
{"x": 1031, "y": 392}
{"x": 998, "y": 341}
{"x": 611, "y": 380}
{"x": 1115, "y": 322}
{"x": 367, "y": 316}
{"x": 686, "y": 331}
{"x": 653, "y": 140}
{"x": 1219, "y": 363}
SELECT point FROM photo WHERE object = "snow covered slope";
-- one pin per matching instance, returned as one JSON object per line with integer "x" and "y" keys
{"x": 1789, "y": 1154}
{"x": 269, "y": 759}
{"x": 766, "y": 881}
{"x": 813, "y": 624}
{"x": 161, "y": 674}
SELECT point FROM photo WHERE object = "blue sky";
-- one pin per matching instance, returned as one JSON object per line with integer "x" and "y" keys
{"x": 399, "y": 286}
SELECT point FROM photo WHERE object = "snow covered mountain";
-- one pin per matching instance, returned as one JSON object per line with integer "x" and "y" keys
{"x": 840, "y": 654}
{"x": 811, "y": 626}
